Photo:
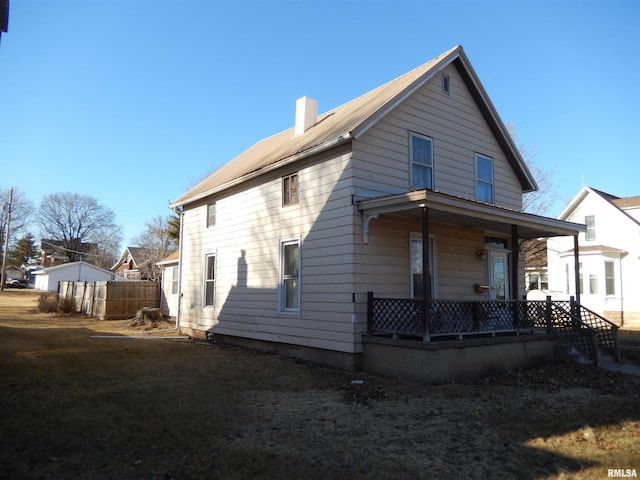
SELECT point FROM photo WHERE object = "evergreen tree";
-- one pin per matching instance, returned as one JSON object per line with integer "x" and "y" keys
{"x": 24, "y": 251}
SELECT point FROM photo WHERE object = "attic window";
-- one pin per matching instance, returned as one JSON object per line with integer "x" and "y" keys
{"x": 446, "y": 85}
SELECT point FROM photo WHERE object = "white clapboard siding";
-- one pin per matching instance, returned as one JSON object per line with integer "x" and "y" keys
{"x": 254, "y": 221}
{"x": 458, "y": 130}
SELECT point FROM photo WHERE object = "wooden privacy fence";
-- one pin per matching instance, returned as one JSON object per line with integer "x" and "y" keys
{"x": 110, "y": 300}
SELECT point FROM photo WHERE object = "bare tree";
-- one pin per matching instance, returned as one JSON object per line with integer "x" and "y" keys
{"x": 156, "y": 242}
{"x": 539, "y": 202}
{"x": 21, "y": 216}
{"x": 85, "y": 229}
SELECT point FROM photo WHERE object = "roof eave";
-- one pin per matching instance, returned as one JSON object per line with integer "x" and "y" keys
{"x": 181, "y": 202}
{"x": 472, "y": 81}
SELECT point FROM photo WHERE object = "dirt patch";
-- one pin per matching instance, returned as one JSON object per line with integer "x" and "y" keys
{"x": 77, "y": 406}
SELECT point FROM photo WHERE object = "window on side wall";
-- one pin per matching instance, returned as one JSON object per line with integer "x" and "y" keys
{"x": 209, "y": 279}
{"x": 610, "y": 279}
{"x": 290, "y": 276}
{"x": 421, "y": 152}
{"x": 290, "y": 189}
{"x": 174, "y": 280}
{"x": 211, "y": 215}
{"x": 590, "y": 222}
{"x": 484, "y": 179}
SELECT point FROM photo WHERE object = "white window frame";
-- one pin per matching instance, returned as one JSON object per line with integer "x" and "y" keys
{"x": 211, "y": 214}
{"x": 610, "y": 278}
{"x": 284, "y": 278}
{"x": 413, "y": 161}
{"x": 206, "y": 281}
{"x": 590, "y": 223}
{"x": 417, "y": 237}
{"x": 174, "y": 279}
{"x": 483, "y": 181}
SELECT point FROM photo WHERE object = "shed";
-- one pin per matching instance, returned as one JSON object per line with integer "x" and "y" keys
{"x": 47, "y": 279}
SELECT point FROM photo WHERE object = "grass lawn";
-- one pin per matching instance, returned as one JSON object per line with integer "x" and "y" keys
{"x": 75, "y": 406}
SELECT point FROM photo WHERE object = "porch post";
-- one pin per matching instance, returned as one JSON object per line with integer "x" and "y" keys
{"x": 515, "y": 276}
{"x": 426, "y": 278}
{"x": 576, "y": 267}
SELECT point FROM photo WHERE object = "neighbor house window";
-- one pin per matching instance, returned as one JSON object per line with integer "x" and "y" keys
{"x": 484, "y": 179}
{"x": 174, "y": 280}
{"x": 290, "y": 189}
{"x": 593, "y": 284}
{"x": 211, "y": 215}
{"x": 580, "y": 279}
{"x": 209, "y": 279}
{"x": 421, "y": 161}
{"x": 610, "y": 281}
{"x": 590, "y": 222}
{"x": 290, "y": 276}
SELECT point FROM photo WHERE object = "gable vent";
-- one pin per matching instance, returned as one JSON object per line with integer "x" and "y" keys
{"x": 306, "y": 114}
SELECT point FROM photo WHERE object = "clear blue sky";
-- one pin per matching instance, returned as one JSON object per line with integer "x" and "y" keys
{"x": 134, "y": 101}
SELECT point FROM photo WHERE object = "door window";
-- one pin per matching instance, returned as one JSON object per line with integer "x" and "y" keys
{"x": 499, "y": 275}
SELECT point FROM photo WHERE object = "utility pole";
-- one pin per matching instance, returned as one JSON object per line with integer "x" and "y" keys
{"x": 6, "y": 241}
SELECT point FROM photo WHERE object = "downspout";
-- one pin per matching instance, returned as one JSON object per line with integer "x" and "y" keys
{"x": 179, "y": 211}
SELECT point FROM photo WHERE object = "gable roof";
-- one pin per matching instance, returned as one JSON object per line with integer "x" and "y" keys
{"x": 136, "y": 255}
{"x": 620, "y": 204}
{"x": 627, "y": 202}
{"x": 351, "y": 120}
{"x": 71, "y": 266}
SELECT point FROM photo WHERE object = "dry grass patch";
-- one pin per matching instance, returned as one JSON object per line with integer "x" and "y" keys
{"x": 81, "y": 407}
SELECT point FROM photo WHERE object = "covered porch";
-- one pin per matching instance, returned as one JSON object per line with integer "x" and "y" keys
{"x": 491, "y": 303}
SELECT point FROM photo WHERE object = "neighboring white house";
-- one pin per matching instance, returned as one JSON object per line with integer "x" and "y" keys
{"x": 48, "y": 278}
{"x": 169, "y": 284}
{"x": 609, "y": 269}
{"x": 283, "y": 243}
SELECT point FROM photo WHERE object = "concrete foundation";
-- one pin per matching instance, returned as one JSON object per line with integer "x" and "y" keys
{"x": 450, "y": 360}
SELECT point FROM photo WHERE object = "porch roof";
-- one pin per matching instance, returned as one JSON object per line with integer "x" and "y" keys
{"x": 456, "y": 210}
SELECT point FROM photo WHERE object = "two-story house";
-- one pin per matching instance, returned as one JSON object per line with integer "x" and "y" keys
{"x": 609, "y": 252}
{"x": 282, "y": 245}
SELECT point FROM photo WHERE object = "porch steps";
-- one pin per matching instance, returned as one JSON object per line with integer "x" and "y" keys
{"x": 568, "y": 353}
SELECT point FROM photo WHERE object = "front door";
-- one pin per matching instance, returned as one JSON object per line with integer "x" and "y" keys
{"x": 498, "y": 275}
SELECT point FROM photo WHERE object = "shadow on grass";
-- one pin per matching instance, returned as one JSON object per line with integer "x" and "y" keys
{"x": 77, "y": 407}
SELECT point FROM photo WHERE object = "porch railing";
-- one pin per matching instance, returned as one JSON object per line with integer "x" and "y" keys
{"x": 570, "y": 317}
{"x": 586, "y": 331}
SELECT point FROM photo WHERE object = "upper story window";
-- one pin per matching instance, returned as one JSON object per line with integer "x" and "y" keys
{"x": 590, "y": 222}
{"x": 290, "y": 189}
{"x": 211, "y": 215}
{"x": 484, "y": 179}
{"x": 421, "y": 161}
